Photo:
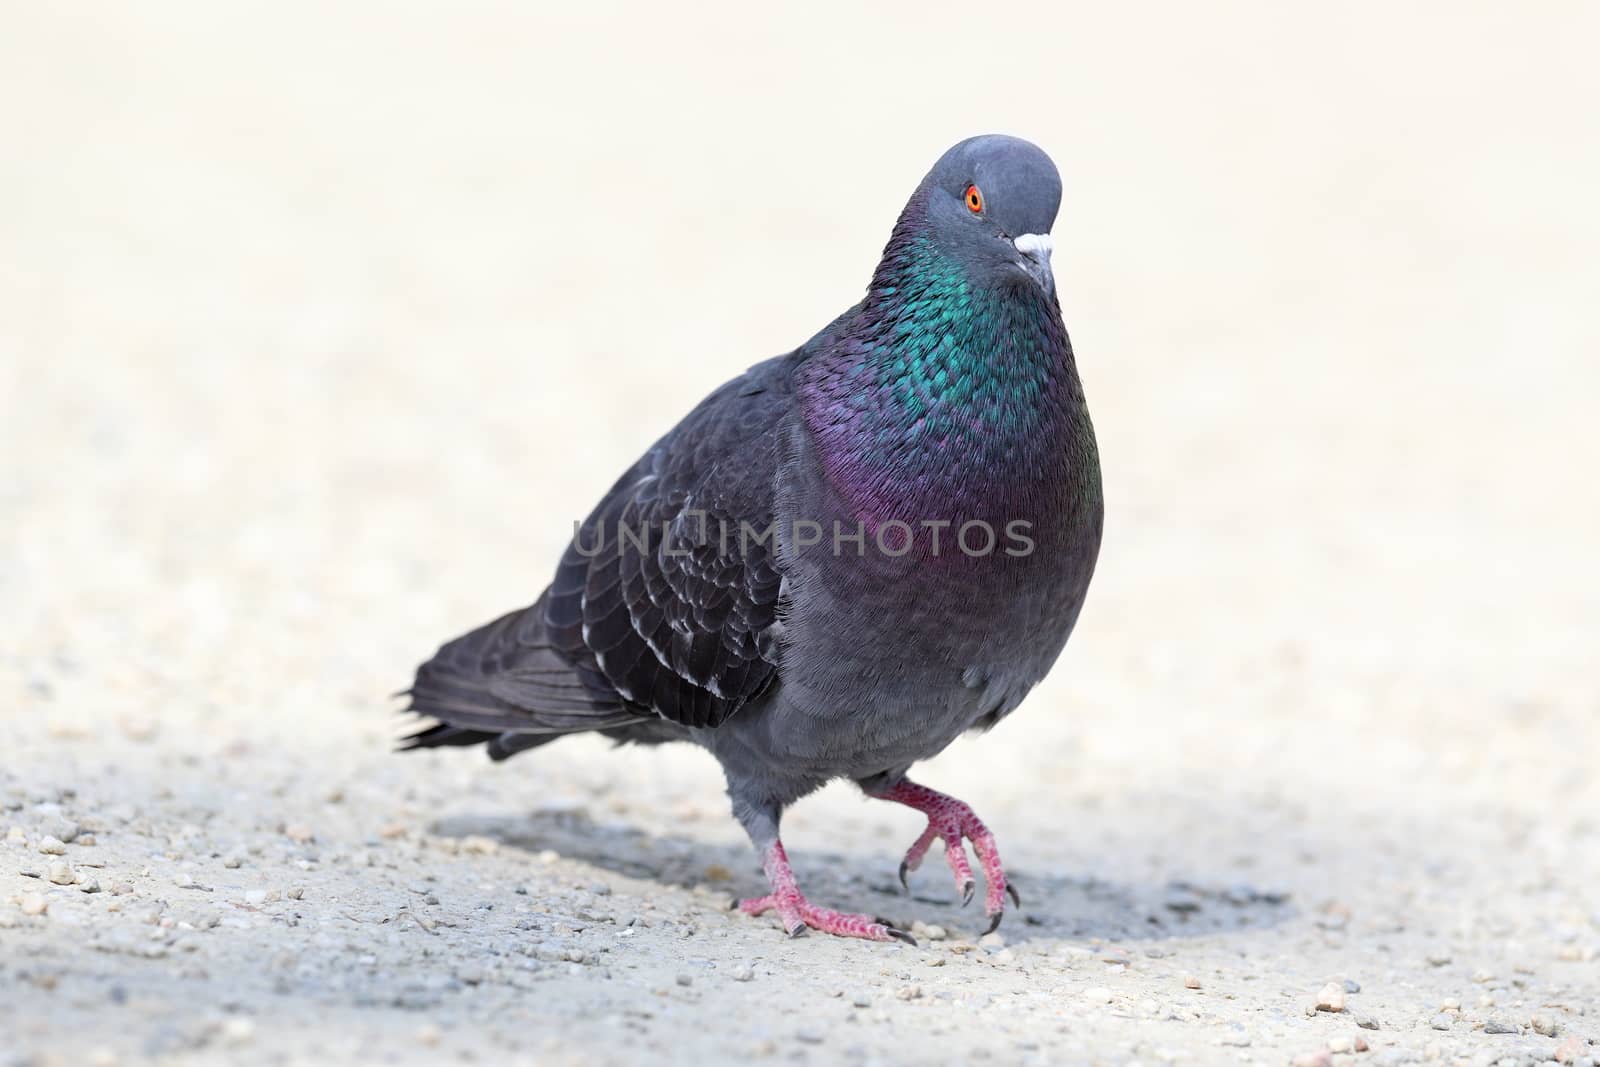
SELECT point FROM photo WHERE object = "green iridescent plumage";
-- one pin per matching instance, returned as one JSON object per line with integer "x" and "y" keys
{"x": 966, "y": 393}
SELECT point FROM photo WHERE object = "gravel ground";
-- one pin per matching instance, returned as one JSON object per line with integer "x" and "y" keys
{"x": 318, "y": 327}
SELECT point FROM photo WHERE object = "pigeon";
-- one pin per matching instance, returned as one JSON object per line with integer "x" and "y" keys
{"x": 840, "y": 561}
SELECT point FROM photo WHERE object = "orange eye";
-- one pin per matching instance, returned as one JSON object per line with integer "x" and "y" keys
{"x": 974, "y": 199}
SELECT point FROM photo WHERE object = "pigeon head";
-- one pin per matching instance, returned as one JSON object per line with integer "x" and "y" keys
{"x": 988, "y": 204}
{"x": 945, "y": 391}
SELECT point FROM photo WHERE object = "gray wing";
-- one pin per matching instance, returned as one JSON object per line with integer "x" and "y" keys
{"x": 678, "y": 619}
{"x": 670, "y": 590}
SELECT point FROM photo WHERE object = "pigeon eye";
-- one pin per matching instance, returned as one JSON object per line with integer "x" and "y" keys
{"x": 974, "y": 199}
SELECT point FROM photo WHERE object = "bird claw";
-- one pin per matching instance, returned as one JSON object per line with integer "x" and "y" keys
{"x": 798, "y": 916}
{"x": 996, "y": 916}
{"x": 955, "y": 824}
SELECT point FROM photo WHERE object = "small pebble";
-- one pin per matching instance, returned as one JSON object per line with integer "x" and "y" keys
{"x": 685, "y": 980}
{"x": 1442, "y": 1022}
{"x": 34, "y": 904}
{"x": 1546, "y": 1026}
{"x": 1331, "y": 998}
{"x": 238, "y": 1031}
{"x": 743, "y": 973}
{"x": 1500, "y": 1026}
{"x": 52, "y": 846}
{"x": 61, "y": 873}
{"x": 1191, "y": 981}
{"x": 909, "y": 992}
{"x": 1183, "y": 903}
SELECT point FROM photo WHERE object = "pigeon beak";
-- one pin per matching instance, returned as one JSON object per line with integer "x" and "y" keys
{"x": 1035, "y": 251}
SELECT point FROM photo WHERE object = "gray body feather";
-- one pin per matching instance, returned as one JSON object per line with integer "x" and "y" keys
{"x": 820, "y": 666}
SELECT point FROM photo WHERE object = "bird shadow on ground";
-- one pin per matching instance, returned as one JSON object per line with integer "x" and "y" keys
{"x": 1056, "y": 907}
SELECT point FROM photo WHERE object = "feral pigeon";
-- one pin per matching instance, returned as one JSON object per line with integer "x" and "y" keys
{"x": 842, "y": 559}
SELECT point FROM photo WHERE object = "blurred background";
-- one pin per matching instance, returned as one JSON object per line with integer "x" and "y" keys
{"x": 319, "y": 325}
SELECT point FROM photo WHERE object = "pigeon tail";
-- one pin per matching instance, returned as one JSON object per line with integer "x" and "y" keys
{"x": 507, "y": 686}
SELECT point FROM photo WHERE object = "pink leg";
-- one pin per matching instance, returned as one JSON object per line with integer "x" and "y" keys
{"x": 953, "y": 822}
{"x": 797, "y": 914}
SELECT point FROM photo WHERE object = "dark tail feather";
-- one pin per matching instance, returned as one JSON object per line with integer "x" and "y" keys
{"x": 506, "y": 686}
{"x": 499, "y": 746}
{"x": 507, "y": 745}
{"x": 443, "y": 734}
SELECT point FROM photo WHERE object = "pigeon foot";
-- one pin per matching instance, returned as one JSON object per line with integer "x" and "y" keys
{"x": 799, "y": 915}
{"x": 955, "y": 823}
